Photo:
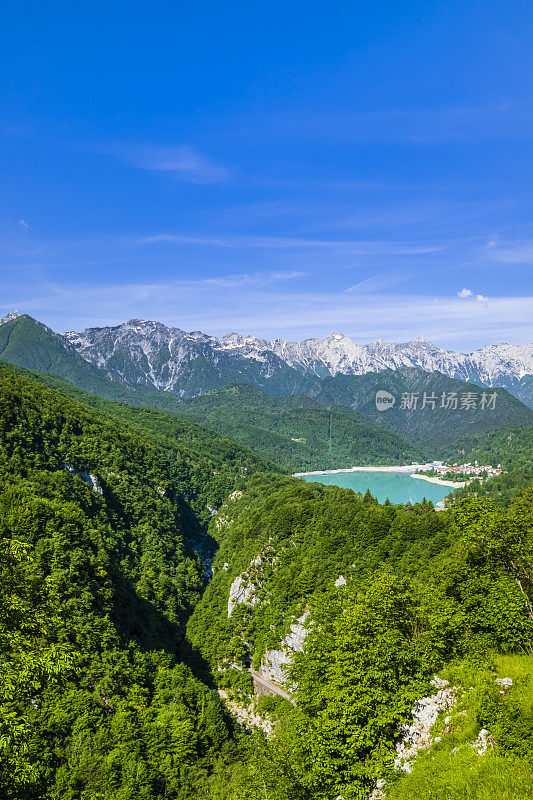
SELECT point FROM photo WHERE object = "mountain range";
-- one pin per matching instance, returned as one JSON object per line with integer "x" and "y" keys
{"x": 294, "y": 412}
{"x": 144, "y": 354}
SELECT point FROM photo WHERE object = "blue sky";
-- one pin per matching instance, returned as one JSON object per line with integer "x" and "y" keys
{"x": 281, "y": 169}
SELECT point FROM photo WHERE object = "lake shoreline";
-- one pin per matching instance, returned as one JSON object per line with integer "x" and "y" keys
{"x": 440, "y": 481}
{"x": 384, "y": 482}
{"x": 406, "y": 468}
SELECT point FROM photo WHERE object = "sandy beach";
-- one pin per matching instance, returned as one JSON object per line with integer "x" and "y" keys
{"x": 453, "y": 484}
{"x": 405, "y": 468}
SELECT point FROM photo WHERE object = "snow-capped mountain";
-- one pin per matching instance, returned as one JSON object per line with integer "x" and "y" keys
{"x": 140, "y": 354}
{"x": 152, "y": 354}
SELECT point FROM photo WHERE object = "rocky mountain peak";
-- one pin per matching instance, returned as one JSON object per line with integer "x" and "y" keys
{"x": 149, "y": 353}
{"x": 11, "y": 316}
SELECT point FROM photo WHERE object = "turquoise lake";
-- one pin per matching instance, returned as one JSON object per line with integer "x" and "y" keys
{"x": 399, "y": 487}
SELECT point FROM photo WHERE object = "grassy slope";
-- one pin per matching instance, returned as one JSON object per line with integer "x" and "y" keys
{"x": 442, "y": 774}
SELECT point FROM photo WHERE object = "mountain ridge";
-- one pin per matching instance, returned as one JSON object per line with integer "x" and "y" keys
{"x": 491, "y": 365}
{"x": 152, "y": 355}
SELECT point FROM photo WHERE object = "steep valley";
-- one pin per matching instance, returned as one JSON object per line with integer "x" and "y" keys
{"x": 128, "y": 671}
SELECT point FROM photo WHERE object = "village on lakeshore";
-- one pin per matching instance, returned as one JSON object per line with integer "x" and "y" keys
{"x": 475, "y": 470}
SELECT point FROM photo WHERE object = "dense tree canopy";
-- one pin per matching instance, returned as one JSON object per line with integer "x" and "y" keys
{"x": 112, "y": 647}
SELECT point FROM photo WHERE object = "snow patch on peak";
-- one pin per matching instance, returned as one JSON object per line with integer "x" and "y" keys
{"x": 152, "y": 354}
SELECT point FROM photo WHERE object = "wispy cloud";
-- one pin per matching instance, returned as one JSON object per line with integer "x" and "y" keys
{"x": 465, "y": 293}
{"x": 422, "y": 127}
{"x": 354, "y": 246}
{"x": 182, "y": 161}
{"x": 247, "y": 280}
{"x": 253, "y": 304}
{"x": 511, "y": 253}
{"x": 385, "y": 280}
{"x": 23, "y": 224}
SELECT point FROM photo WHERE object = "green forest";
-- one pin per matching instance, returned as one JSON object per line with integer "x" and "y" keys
{"x": 296, "y": 431}
{"x": 148, "y": 563}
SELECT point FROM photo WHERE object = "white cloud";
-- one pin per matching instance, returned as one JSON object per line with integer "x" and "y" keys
{"x": 254, "y": 304}
{"x": 481, "y": 299}
{"x": 23, "y": 224}
{"x": 182, "y": 161}
{"x": 464, "y": 293}
{"x": 350, "y": 247}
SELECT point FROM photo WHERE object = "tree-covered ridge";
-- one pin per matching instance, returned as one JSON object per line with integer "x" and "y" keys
{"x": 442, "y": 430}
{"x": 512, "y": 447}
{"x": 291, "y": 540}
{"x": 208, "y": 466}
{"x": 98, "y": 577}
{"x": 423, "y": 590}
{"x": 296, "y": 431}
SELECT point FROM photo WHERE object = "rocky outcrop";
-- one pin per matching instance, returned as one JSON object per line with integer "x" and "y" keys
{"x": 244, "y": 587}
{"x": 247, "y": 715}
{"x": 483, "y": 741}
{"x": 241, "y": 592}
{"x": 417, "y": 735}
{"x": 276, "y": 662}
{"x": 90, "y": 479}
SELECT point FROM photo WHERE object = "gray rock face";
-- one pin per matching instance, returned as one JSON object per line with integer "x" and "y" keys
{"x": 275, "y": 662}
{"x": 8, "y": 317}
{"x": 296, "y": 636}
{"x": 88, "y": 477}
{"x": 482, "y": 742}
{"x": 241, "y": 592}
{"x": 274, "y": 665}
{"x": 151, "y": 354}
{"x": 417, "y": 735}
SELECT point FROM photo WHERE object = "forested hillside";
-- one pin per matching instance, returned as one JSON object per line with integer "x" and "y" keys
{"x": 113, "y": 643}
{"x": 98, "y": 577}
{"x": 209, "y": 466}
{"x": 367, "y": 602}
{"x": 439, "y": 428}
{"x": 296, "y": 431}
{"x": 510, "y": 447}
